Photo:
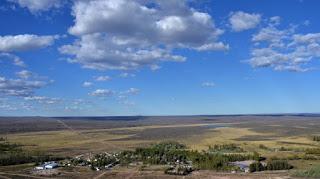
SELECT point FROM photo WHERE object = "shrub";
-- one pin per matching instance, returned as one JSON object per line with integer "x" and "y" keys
{"x": 314, "y": 151}
{"x": 178, "y": 170}
{"x": 225, "y": 148}
{"x": 261, "y": 146}
{"x": 278, "y": 165}
{"x": 316, "y": 138}
{"x": 283, "y": 149}
{"x": 309, "y": 157}
{"x": 256, "y": 166}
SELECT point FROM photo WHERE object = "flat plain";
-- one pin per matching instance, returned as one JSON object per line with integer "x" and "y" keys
{"x": 65, "y": 136}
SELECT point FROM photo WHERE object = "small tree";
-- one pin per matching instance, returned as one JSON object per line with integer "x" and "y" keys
{"x": 256, "y": 156}
{"x": 256, "y": 166}
{"x": 278, "y": 165}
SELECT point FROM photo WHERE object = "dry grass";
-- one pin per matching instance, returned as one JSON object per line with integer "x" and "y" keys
{"x": 247, "y": 133}
{"x": 196, "y": 136}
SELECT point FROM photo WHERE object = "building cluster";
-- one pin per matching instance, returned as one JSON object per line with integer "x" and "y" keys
{"x": 47, "y": 165}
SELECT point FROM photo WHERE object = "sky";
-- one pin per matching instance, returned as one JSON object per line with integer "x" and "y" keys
{"x": 143, "y": 57}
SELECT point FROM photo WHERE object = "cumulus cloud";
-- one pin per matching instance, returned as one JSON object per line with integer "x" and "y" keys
{"x": 87, "y": 84}
{"x": 102, "y": 93}
{"x": 240, "y": 21}
{"x": 207, "y": 84}
{"x": 38, "y": 5}
{"x": 19, "y": 87}
{"x": 310, "y": 38}
{"x": 14, "y": 43}
{"x": 103, "y": 78}
{"x": 96, "y": 51}
{"x": 123, "y": 34}
{"x": 284, "y": 49}
{"x": 272, "y": 35}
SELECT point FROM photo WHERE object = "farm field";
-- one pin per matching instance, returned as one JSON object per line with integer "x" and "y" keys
{"x": 281, "y": 136}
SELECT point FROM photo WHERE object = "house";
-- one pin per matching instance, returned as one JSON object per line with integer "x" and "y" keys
{"x": 40, "y": 167}
{"x": 51, "y": 165}
{"x": 47, "y": 165}
{"x": 109, "y": 166}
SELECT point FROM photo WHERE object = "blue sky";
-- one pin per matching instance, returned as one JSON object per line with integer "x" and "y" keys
{"x": 119, "y": 57}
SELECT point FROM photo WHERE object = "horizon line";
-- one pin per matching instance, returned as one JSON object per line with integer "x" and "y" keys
{"x": 245, "y": 114}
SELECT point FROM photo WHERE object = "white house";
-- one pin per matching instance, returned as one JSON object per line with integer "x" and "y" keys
{"x": 51, "y": 165}
{"x": 47, "y": 165}
{"x": 41, "y": 167}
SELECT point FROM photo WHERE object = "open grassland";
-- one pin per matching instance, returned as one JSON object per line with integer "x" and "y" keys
{"x": 271, "y": 136}
{"x": 71, "y": 141}
{"x": 74, "y": 136}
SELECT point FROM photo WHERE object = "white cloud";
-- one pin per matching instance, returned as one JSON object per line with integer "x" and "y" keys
{"x": 306, "y": 23}
{"x": 25, "y": 74}
{"x": 19, "y": 87}
{"x": 102, "y": 93}
{"x": 87, "y": 84}
{"x": 15, "y": 59}
{"x": 43, "y": 99}
{"x": 24, "y": 42}
{"x": 240, "y": 21}
{"x": 77, "y": 105}
{"x": 96, "y": 51}
{"x": 123, "y": 34}
{"x": 310, "y": 38}
{"x": 126, "y": 75}
{"x": 284, "y": 50}
{"x": 272, "y": 35}
{"x": 128, "y": 103}
{"x": 293, "y": 68}
{"x": 213, "y": 46}
{"x": 38, "y": 5}
{"x": 8, "y": 107}
{"x": 155, "y": 67}
{"x": 208, "y": 84}
{"x": 120, "y": 96}
{"x": 124, "y": 95}
{"x": 131, "y": 91}
{"x": 103, "y": 78}
{"x": 275, "y": 20}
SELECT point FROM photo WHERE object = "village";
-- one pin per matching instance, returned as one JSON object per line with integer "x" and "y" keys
{"x": 175, "y": 159}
